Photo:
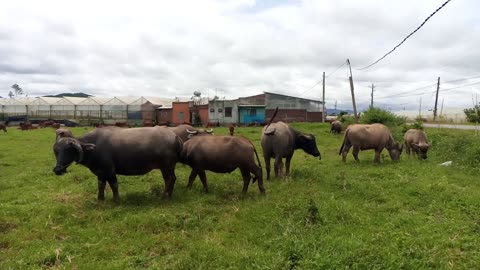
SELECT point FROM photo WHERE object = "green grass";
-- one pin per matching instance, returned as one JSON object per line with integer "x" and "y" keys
{"x": 411, "y": 214}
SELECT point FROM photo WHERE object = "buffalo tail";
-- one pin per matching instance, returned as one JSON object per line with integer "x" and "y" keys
{"x": 258, "y": 160}
{"x": 273, "y": 116}
{"x": 343, "y": 143}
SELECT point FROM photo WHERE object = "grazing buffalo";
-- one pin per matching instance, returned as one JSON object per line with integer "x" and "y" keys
{"x": 25, "y": 125}
{"x": 122, "y": 124}
{"x": 279, "y": 141}
{"x": 56, "y": 125}
{"x": 365, "y": 137}
{"x": 222, "y": 154}
{"x": 231, "y": 128}
{"x": 4, "y": 126}
{"x": 185, "y": 132}
{"x": 62, "y": 133}
{"x": 416, "y": 139}
{"x": 336, "y": 127}
{"x": 110, "y": 151}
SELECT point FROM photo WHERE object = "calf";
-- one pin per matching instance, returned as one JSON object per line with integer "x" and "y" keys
{"x": 222, "y": 154}
{"x": 416, "y": 139}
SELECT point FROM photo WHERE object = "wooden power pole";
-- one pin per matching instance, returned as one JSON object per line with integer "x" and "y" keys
{"x": 353, "y": 92}
{"x": 436, "y": 101}
{"x": 371, "y": 101}
{"x": 323, "y": 99}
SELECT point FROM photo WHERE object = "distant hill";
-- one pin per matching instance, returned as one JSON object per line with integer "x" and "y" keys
{"x": 70, "y": 95}
{"x": 337, "y": 112}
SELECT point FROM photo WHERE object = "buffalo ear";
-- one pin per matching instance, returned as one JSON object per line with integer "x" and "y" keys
{"x": 88, "y": 146}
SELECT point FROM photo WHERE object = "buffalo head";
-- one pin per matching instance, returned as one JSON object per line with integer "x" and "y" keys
{"x": 67, "y": 150}
{"x": 395, "y": 151}
{"x": 421, "y": 149}
{"x": 192, "y": 133}
{"x": 308, "y": 144}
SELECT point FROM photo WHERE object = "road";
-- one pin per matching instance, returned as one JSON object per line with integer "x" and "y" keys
{"x": 452, "y": 126}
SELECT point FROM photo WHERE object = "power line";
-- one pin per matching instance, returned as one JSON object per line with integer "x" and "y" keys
{"x": 317, "y": 83}
{"x": 428, "y": 18}
{"x": 401, "y": 94}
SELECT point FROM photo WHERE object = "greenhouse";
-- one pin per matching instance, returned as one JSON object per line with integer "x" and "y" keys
{"x": 84, "y": 111}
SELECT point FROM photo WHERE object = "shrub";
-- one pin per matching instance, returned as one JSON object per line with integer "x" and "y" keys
{"x": 377, "y": 115}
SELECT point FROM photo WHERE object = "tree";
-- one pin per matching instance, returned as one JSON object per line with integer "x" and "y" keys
{"x": 10, "y": 94}
{"x": 18, "y": 90}
{"x": 473, "y": 114}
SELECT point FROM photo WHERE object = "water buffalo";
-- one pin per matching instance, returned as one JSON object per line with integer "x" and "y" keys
{"x": 416, "y": 139}
{"x": 231, "y": 128}
{"x": 222, "y": 154}
{"x": 279, "y": 141}
{"x": 185, "y": 132}
{"x": 365, "y": 137}
{"x": 3, "y": 126}
{"x": 62, "y": 133}
{"x": 110, "y": 151}
{"x": 336, "y": 127}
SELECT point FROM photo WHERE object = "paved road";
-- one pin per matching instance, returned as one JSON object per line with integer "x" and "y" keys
{"x": 452, "y": 126}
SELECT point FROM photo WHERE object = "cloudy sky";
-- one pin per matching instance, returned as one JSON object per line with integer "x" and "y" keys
{"x": 235, "y": 48}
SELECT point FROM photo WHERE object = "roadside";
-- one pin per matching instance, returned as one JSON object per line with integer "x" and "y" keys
{"x": 467, "y": 127}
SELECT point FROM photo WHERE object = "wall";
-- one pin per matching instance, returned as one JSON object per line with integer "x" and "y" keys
{"x": 216, "y": 111}
{"x": 163, "y": 116}
{"x": 177, "y": 109}
{"x": 246, "y": 118}
{"x": 293, "y": 115}
{"x": 287, "y": 102}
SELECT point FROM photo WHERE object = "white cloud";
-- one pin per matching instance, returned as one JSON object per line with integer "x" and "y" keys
{"x": 239, "y": 48}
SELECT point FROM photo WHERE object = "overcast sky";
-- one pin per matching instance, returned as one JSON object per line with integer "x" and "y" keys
{"x": 242, "y": 47}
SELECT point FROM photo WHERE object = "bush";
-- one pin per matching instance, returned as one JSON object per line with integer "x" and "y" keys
{"x": 377, "y": 115}
{"x": 473, "y": 114}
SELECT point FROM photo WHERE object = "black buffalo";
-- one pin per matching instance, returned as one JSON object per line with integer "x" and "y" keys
{"x": 111, "y": 150}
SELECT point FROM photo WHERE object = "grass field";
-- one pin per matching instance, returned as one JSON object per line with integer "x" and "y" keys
{"x": 411, "y": 214}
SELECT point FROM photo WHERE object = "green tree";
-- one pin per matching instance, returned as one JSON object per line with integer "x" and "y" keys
{"x": 473, "y": 114}
{"x": 18, "y": 90}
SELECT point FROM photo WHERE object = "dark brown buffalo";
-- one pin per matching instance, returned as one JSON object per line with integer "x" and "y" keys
{"x": 3, "y": 126}
{"x": 185, "y": 132}
{"x": 416, "y": 139}
{"x": 231, "y": 128}
{"x": 25, "y": 125}
{"x": 110, "y": 151}
{"x": 222, "y": 154}
{"x": 56, "y": 125}
{"x": 46, "y": 123}
{"x": 365, "y": 137}
{"x": 279, "y": 141}
{"x": 336, "y": 127}
{"x": 122, "y": 124}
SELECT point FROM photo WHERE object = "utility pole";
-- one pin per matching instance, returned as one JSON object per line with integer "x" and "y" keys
{"x": 436, "y": 101}
{"x": 353, "y": 92}
{"x": 371, "y": 102}
{"x": 323, "y": 99}
{"x": 420, "y": 109}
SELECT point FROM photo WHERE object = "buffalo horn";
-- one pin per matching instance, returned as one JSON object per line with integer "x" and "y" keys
{"x": 192, "y": 132}
{"x": 79, "y": 149}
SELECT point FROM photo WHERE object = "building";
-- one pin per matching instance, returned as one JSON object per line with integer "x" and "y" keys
{"x": 259, "y": 109}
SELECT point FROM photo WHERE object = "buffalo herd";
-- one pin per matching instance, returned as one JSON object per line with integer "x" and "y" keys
{"x": 112, "y": 151}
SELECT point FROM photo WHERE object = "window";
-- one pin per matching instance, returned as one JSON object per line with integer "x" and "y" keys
{"x": 228, "y": 111}
{"x": 180, "y": 116}
{"x": 252, "y": 112}
{"x": 220, "y": 110}
{"x": 212, "y": 110}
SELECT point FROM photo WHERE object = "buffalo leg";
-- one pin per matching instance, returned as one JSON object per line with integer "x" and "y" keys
{"x": 355, "y": 151}
{"x": 407, "y": 149}
{"x": 203, "y": 178}
{"x": 112, "y": 181}
{"x": 377, "y": 156}
{"x": 191, "y": 178}
{"x": 267, "y": 165}
{"x": 258, "y": 174}
{"x": 345, "y": 150}
{"x": 278, "y": 165}
{"x": 169, "y": 178}
{"x": 246, "y": 179}
{"x": 101, "y": 188}
{"x": 287, "y": 165}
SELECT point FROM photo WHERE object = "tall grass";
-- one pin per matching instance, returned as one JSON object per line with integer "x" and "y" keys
{"x": 410, "y": 214}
